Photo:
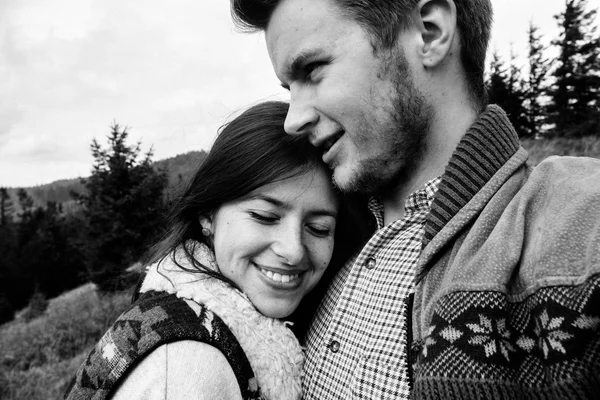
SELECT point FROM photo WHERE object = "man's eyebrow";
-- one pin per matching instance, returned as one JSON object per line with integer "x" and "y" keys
{"x": 297, "y": 65}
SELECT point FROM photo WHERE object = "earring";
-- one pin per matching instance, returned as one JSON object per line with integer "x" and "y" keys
{"x": 206, "y": 232}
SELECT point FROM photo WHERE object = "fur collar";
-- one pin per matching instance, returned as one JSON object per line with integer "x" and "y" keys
{"x": 272, "y": 349}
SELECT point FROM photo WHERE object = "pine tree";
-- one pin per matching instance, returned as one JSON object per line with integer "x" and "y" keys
{"x": 20, "y": 271}
{"x": 25, "y": 203}
{"x": 574, "y": 109}
{"x": 8, "y": 254}
{"x": 49, "y": 254}
{"x": 497, "y": 84}
{"x": 505, "y": 88}
{"x": 122, "y": 206}
{"x": 514, "y": 106}
{"x": 6, "y": 207}
{"x": 535, "y": 86}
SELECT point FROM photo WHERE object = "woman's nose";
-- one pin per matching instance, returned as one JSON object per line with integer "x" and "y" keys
{"x": 289, "y": 245}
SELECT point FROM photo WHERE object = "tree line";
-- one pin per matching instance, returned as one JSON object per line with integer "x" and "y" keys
{"x": 46, "y": 250}
{"x": 559, "y": 96}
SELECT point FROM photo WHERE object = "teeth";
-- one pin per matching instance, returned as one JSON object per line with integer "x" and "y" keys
{"x": 277, "y": 277}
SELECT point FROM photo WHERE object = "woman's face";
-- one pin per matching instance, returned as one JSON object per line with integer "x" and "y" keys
{"x": 276, "y": 242}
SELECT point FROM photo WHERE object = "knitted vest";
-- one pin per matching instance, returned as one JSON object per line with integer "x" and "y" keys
{"x": 157, "y": 318}
{"x": 271, "y": 348}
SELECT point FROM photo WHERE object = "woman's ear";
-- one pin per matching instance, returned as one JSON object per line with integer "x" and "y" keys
{"x": 437, "y": 24}
{"x": 206, "y": 224}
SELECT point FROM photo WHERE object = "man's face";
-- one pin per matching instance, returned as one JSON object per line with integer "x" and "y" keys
{"x": 362, "y": 109}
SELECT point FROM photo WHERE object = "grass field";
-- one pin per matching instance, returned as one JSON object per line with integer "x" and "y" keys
{"x": 39, "y": 357}
{"x": 543, "y": 148}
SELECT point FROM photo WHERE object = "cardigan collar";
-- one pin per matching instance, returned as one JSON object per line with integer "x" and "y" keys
{"x": 486, "y": 146}
{"x": 272, "y": 349}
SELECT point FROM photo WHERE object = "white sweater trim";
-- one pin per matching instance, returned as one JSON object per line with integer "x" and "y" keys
{"x": 272, "y": 349}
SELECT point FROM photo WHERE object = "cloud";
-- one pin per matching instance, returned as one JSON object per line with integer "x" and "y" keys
{"x": 36, "y": 22}
{"x": 42, "y": 148}
{"x": 10, "y": 111}
{"x": 93, "y": 80}
{"x": 172, "y": 71}
{"x": 511, "y": 21}
{"x": 181, "y": 99}
{"x": 9, "y": 117}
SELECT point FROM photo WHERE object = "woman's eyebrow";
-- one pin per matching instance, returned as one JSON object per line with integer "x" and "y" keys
{"x": 269, "y": 199}
{"x": 325, "y": 212}
{"x": 286, "y": 206}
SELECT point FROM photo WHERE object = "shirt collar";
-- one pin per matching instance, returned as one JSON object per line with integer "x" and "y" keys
{"x": 417, "y": 202}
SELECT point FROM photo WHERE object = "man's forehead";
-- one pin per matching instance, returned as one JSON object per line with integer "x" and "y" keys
{"x": 291, "y": 9}
{"x": 301, "y": 28}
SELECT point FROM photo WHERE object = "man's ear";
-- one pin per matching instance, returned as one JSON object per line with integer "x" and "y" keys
{"x": 437, "y": 24}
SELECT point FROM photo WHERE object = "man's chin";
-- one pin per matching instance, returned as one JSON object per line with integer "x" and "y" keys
{"x": 353, "y": 181}
{"x": 341, "y": 181}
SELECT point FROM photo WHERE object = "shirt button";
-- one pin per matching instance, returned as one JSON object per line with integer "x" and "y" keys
{"x": 370, "y": 263}
{"x": 334, "y": 346}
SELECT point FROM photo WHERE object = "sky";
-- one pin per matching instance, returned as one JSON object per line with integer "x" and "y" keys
{"x": 171, "y": 72}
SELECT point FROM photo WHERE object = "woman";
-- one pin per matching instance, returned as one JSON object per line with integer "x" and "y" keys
{"x": 250, "y": 237}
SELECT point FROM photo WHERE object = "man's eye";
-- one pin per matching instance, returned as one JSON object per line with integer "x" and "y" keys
{"x": 312, "y": 68}
{"x": 264, "y": 218}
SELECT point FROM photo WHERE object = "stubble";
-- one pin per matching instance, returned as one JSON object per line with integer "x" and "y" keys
{"x": 402, "y": 139}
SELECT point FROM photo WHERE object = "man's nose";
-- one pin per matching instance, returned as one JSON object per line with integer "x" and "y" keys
{"x": 302, "y": 116}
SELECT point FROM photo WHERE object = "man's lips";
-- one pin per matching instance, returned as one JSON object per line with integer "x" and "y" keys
{"x": 328, "y": 145}
{"x": 331, "y": 141}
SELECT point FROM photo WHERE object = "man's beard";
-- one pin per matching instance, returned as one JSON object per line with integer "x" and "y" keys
{"x": 410, "y": 119}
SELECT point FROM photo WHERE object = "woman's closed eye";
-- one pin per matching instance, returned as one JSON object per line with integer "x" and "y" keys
{"x": 320, "y": 230}
{"x": 264, "y": 218}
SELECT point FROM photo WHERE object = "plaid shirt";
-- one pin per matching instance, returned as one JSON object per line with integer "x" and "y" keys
{"x": 356, "y": 346}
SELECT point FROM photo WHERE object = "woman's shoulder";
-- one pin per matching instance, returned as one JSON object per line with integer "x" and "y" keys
{"x": 181, "y": 370}
{"x": 154, "y": 320}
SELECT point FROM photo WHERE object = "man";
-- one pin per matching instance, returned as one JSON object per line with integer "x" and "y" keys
{"x": 482, "y": 279}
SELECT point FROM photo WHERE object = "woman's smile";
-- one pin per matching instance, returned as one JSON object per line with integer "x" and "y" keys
{"x": 280, "y": 277}
{"x": 276, "y": 242}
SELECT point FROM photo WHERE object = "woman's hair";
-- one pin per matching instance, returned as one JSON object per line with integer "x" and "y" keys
{"x": 250, "y": 151}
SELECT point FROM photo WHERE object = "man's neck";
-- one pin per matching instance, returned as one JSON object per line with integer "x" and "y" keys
{"x": 447, "y": 129}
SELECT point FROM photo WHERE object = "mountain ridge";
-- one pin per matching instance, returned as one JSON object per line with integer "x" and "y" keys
{"x": 179, "y": 170}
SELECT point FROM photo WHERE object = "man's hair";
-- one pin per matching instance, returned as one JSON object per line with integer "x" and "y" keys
{"x": 384, "y": 19}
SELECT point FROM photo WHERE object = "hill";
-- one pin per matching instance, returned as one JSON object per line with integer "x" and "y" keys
{"x": 179, "y": 169}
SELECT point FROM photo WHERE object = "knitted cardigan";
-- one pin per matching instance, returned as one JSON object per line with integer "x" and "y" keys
{"x": 507, "y": 305}
{"x": 179, "y": 305}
